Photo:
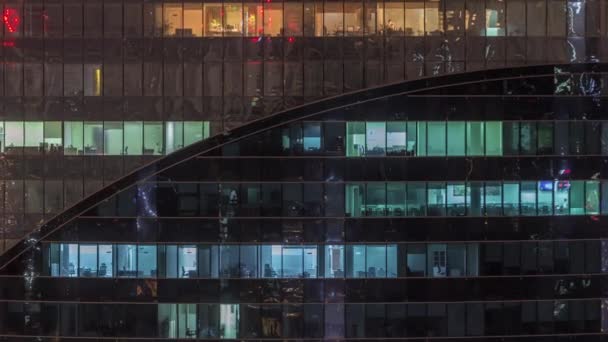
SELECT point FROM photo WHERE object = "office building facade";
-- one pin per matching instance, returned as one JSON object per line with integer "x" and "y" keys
{"x": 93, "y": 89}
{"x": 459, "y": 207}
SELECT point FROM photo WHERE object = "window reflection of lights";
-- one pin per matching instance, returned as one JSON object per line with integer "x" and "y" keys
{"x": 11, "y": 19}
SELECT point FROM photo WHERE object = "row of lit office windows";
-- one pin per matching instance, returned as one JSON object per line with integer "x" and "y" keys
{"x": 99, "y": 137}
{"x": 319, "y": 261}
{"x": 475, "y": 138}
{"x": 393, "y": 199}
{"x": 293, "y": 321}
{"x": 525, "y": 198}
{"x": 329, "y": 18}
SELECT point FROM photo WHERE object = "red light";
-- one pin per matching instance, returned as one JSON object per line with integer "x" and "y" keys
{"x": 291, "y": 40}
{"x": 8, "y": 43}
{"x": 11, "y": 20}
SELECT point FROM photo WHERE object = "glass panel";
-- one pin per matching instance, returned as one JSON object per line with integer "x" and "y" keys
{"x": 495, "y": 18}
{"x": 249, "y": 261}
{"x": 376, "y": 261}
{"x": 334, "y": 261}
{"x": 68, "y": 260}
{"x": 229, "y": 261}
{"x": 312, "y": 136}
{"x": 193, "y": 131}
{"x": 88, "y": 261}
{"x": 545, "y": 197}
{"x": 167, "y": 320}
{"x": 271, "y": 262}
{"x": 174, "y": 136}
{"x": 355, "y": 261}
{"x": 93, "y": 137}
{"x": 355, "y": 139}
{"x": 171, "y": 269}
{"x": 528, "y": 138}
{"x": 510, "y": 192}
{"x": 436, "y": 141}
{"x": 213, "y": 25}
{"x": 494, "y": 138}
{"x": 456, "y": 260}
{"x": 437, "y": 259}
{"x": 493, "y": 199}
{"x": 310, "y": 262}
{"x": 187, "y": 320}
{"x": 475, "y": 138}
{"x": 273, "y": 19}
{"x": 433, "y": 18}
{"x": 134, "y": 138}
{"x": 456, "y": 138}
{"x": 592, "y": 197}
{"x": 568, "y": 197}
{"x": 293, "y": 18}
{"x": 172, "y": 19}
{"x": 436, "y": 199}
{"x": 376, "y": 199}
{"x": 113, "y": 138}
{"x": 209, "y": 261}
{"x": 186, "y": 258}
{"x": 355, "y": 200}
{"x": 153, "y": 138}
{"x": 516, "y": 18}
{"x": 193, "y": 19}
{"x": 53, "y": 137}
{"x": 253, "y": 16}
{"x": 545, "y": 138}
{"x": 456, "y": 199}
{"x": 34, "y": 137}
{"x": 391, "y": 261}
{"x": 396, "y": 138}
{"x": 416, "y": 260}
{"x": 126, "y": 260}
{"x": 421, "y": 133}
{"x": 475, "y": 198}
{"x": 353, "y": 18}
{"x": 416, "y": 199}
{"x": 14, "y": 136}
{"x": 528, "y": 198}
{"x": 292, "y": 262}
{"x": 394, "y": 16}
{"x": 411, "y": 137}
{"x": 229, "y": 321}
{"x": 74, "y": 137}
{"x": 414, "y": 18}
{"x": 395, "y": 199}
{"x": 106, "y": 257}
{"x": 511, "y": 138}
{"x": 375, "y": 133}
{"x": 146, "y": 261}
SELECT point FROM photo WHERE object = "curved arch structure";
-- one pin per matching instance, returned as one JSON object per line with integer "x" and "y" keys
{"x": 457, "y": 182}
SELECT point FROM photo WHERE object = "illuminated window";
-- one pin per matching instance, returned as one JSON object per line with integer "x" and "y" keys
{"x": 153, "y": 138}
{"x": 193, "y": 20}
{"x": 294, "y": 21}
{"x": 394, "y": 17}
{"x": 53, "y": 137}
{"x": 172, "y": 20}
{"x": 333, "y": 18}
{"x": 233, "y": 19}
{"x": 113, "y": 138}
{"x": 253, "y": 14}
{"x": 133, "y": 138}
{"x": 495, "y": 18}
{"x": 73, "y": 131}
{"x": 93, "y": 137}
{"x": 414, "y": 18}
{"x": 433, "y": 18}
{"x": 213, "y": 22}
{"x": 273, "y": 19}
